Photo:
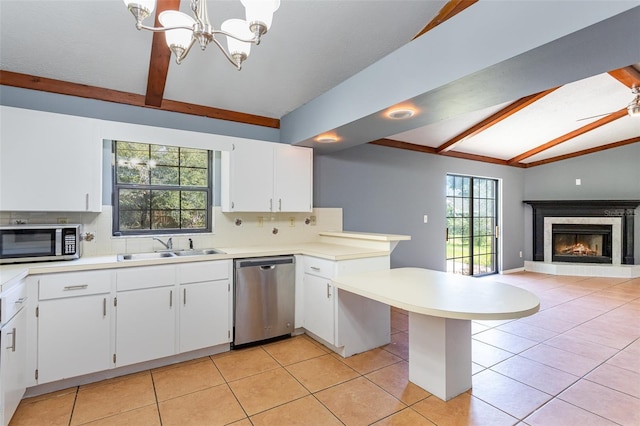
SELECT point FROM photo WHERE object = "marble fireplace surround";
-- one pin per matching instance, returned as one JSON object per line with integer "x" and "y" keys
{"x": 616, "y": 233}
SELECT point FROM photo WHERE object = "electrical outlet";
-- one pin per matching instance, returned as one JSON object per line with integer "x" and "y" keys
{"x": 292, "y": 221}
{"x": 578, "y": 182}
{"x": 426, "y": 218}
{"x": 62, "y": 220}
{"x": 313, "y": 221}
{"x": 520, "y": 254}
{"x": 260, "y": 221}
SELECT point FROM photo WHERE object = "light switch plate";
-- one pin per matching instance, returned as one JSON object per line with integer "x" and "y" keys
{"x": 426, "y": 218}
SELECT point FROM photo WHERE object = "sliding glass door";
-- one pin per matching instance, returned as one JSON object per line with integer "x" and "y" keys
{"x": 472, "y": 231}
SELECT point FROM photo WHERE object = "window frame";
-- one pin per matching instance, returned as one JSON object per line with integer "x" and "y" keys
{"x": 116, "y": 188}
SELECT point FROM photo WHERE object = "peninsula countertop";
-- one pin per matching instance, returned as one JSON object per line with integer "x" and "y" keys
{"x": 441, "y": 294}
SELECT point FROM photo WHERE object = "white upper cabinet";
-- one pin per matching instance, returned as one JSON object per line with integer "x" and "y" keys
{"x": 293, "y": 179}
{"x": 267, "y": 177}
{"x": 49, "y": 162}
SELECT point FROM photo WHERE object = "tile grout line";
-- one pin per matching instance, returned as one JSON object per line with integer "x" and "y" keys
{"x": 73, "y": 407}
{"x": 582, "y": 377}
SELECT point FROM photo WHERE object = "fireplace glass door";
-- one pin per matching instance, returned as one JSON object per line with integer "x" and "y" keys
{"x": 472, "y": 238}
{"x": 581, "y": 243}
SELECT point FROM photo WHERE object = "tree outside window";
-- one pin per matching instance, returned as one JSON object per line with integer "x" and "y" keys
{"x": 161, "y": 189}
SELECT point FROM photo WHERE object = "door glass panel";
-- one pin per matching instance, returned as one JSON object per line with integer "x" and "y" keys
{"x": 471, "y": 225}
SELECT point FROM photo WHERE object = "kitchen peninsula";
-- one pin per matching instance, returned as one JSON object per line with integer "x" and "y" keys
{"x": 441, "y": 307}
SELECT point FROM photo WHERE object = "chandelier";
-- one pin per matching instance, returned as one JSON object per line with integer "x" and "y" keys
{"x": 182, "y": 31}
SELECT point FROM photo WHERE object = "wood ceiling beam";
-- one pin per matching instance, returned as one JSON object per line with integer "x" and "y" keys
{"x": 429, "y": 150}
{"x": 629, "y": 76}
{"x": 160, "y": 58}
{"x": 448, "y": 11}
{"x": 584, "y": 152}
{"x": 566, "y": 137}
{"x": 493, "y": 120}
{"x": 404, "y": 145}
{"x": 25, "y": 81}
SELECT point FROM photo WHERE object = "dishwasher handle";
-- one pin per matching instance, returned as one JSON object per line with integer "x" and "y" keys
{"x": 267, "y": 267}
{"x": 263, "y": 261}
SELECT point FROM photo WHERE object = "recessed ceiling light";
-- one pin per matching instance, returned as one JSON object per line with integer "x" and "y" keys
{"x": 401, "y": 113}
{"x": 327, "y": 138}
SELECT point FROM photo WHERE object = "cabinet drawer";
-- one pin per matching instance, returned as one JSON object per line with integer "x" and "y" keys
{"x": 203, "y": 271}
{"x": 320, "y": 267}
{"x": 73, "y": 284}
{"x": 12, "y": 300}
{"x": 145, "y": 277}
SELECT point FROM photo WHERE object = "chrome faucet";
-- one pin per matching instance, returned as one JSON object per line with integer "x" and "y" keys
{"x": 168, "y": 245}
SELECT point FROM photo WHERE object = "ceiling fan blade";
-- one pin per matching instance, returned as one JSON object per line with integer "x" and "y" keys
{"x": 595, "y": 116}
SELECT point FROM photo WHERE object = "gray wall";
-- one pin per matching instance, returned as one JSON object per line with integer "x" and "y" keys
{"x": 62, "y": 104}
{"x": 389, "y": 190}
{"x": 613, "y": 174}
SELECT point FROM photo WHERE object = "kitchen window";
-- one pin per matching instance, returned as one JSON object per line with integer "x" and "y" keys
{"x": 161, "y": 189}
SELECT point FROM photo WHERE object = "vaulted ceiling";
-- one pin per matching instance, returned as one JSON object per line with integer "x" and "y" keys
{"x": 91, "y": 49}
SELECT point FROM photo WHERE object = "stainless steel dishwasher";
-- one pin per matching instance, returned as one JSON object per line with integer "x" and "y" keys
{"x": 264, "y": 295}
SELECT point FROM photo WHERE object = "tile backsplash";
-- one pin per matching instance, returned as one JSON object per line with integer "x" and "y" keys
{"x": 230, "y": 229}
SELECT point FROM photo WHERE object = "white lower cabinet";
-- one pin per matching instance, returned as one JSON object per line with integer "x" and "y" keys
{"x": 338, "y": 317}
{"x": 145, "y": 325}
{"x": 146, "y": 309}
{"x": 92, "y": 321}
{"x": 319, "y": 312}
{"x": 13, "y": 368}
{"x": 205, "y": 305}
{"x": 74, "y": 325}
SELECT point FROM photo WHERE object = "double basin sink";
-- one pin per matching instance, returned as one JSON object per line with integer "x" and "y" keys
{"x": 165, "y": 254}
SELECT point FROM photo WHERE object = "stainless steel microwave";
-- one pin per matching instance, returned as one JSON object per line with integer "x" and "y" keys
{"x": 36, "y": 243}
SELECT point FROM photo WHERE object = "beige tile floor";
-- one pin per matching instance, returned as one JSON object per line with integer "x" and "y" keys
{"x": 577, "y": 361}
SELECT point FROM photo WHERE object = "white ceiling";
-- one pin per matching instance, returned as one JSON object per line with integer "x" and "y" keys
{"x": 312, "y": 47}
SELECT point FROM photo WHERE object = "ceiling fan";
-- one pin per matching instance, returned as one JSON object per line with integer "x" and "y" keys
{"x": 633, "y": 109}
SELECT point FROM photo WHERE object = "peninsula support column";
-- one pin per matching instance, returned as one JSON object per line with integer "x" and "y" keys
{"x": 440, "y": 354}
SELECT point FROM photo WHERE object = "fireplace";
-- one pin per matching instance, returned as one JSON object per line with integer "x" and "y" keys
{"x": 581, "y": 243}
{"x": 617, "y": 214}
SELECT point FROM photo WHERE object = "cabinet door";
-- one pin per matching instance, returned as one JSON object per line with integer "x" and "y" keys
{"x": 12, "y": 365}
{"x": 247, "y": 177}
{"x": 293, "y": 179}
{"x": 49, "y": 162}
{"x": 145, "y": 325}
{"x": 204, "y": 315}
{"x": 73, "y": 336}
{"x": 319, "y": 307}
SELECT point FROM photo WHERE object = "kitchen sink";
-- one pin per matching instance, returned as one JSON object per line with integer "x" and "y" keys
{"x": 165, "y": 254}
{"x": 145, "y": 256}
{"x": 197, "y": 252}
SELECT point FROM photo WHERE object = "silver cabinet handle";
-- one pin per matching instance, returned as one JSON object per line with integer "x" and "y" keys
{"x": 328, "y": 290}
{"x": 86, "y": 200}
{"x": 315, "y": 268}
{"x": 104, "y": 307}
{"x": 184, "y": 297}
{"x": 171, "y": 299}
{"x": 76, "y": 287}
{"x": 280, "y": 204}
{"x": 13, "y": 340}
{"x": 20, "y": 301}
{"x": 270, "y": 204}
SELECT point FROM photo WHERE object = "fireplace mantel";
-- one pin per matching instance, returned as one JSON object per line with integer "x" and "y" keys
{"x": 625, "y": 209}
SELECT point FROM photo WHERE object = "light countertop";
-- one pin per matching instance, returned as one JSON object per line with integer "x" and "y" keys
{"x": 441, "y": 294}
{"x": 11, "y": 273}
